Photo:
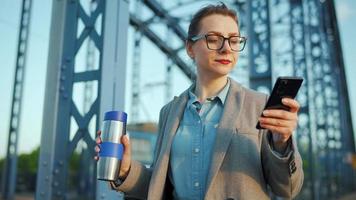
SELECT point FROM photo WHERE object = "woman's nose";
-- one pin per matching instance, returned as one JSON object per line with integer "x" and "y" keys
{"x": 225, "y": 47}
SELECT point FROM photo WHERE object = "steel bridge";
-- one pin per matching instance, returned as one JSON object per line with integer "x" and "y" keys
{"x": 285, "y": 37}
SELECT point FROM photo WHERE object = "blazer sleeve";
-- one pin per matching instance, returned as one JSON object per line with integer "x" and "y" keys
{"x": 137, "y": 182}
{"x": 284, "y": 174}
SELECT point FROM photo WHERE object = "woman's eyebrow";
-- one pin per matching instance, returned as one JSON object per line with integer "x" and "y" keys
{"x": 219, "y": 33}
{"x": 215, "y": 32}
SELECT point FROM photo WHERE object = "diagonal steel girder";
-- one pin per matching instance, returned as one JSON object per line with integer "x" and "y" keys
{"x": 164, "y": 14}
{"x": 172, "y": 53}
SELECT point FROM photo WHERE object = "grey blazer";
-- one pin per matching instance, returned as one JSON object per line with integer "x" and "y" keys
{"x": 243, "y": 163}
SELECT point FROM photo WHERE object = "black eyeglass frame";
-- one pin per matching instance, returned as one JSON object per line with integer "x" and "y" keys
{"x": 199, "y": 37}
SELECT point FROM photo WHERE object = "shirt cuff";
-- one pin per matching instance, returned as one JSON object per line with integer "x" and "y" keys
{"x": 116, "y": 184}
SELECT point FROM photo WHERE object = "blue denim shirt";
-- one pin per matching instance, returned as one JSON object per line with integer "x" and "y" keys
{"x": 193, "y": 143}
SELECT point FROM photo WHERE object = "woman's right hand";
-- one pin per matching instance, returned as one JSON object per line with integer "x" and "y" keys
{"x": 126, "y": 157}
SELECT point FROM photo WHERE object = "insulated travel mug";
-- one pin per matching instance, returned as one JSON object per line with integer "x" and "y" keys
{"x": 111, "y": 149}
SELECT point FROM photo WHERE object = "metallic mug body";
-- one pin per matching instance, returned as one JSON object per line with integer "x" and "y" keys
{"x": 111, "y": 149}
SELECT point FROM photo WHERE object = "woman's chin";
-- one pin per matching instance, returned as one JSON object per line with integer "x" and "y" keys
{"x": 216, "y": 71}
{"x": 219, "y": 73}
{"x": 222, "y": 70}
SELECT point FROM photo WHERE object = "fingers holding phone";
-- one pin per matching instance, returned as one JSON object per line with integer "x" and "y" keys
{"x": 281, "y": 122}
{"x": 281, "y": 101}
{"x": 292, "y": 104}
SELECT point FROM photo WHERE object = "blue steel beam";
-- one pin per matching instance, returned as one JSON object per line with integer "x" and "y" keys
{"x": 9, "y": 175}
{"x": 113, "y": 77}
{"x": 316, "y": 63}
{"x": 136, "y": 66}
{"x": 173, "y": 24}
{"x": 346, "y": 181}
{"x": 60, "y": 106}
{"x": 259, "y": 45}
{"x": 330, "y": 143}
{"x": 241, "y": 71}
{"x": 289, "y": 58}
{"x": 56, "y": 146}
{"x": 135, "y": 85}
{"x": 304, "y": 134}
{"x": 87, "y": 179}
{"x": 164, "y": 14}
{"x": 335, "y": 46}
{"x": 169, "y": 67}
{"x": 186, "y": 69}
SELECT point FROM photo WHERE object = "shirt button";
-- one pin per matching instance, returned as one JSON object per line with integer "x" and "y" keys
{"x": 196, "y": 150}
{"x": 196, "y": 184}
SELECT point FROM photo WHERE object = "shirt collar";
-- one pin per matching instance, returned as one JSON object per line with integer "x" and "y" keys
{"x": 221, "y": 95}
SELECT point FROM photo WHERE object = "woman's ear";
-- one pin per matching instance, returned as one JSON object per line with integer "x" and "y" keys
{"x": 189, "y": 49}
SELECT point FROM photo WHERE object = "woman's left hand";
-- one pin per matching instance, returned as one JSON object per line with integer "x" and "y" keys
{"x": 281, "y": 123}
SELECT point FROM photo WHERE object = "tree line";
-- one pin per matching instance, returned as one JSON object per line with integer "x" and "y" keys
{"x": 27, "y": 165}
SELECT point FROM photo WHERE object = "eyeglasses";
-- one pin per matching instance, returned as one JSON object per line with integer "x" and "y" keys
{"x": 216, "y": 42}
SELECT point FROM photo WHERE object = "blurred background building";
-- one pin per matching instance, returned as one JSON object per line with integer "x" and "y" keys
{"x": 76, "y": 59}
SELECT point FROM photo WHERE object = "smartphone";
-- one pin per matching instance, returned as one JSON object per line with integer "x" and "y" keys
{"x": 284, "y": 87}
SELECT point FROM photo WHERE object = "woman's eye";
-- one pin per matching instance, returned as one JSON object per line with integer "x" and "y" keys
{"x": 234, "y": 41}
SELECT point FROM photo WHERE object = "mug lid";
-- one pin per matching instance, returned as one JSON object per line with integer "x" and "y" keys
{"x": 116, "y": 115}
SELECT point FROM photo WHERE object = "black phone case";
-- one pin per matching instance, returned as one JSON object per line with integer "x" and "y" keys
{"x": 284, "y": 87}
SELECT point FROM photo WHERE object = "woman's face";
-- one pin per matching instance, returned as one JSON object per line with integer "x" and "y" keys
{"x": 214, "y": 63}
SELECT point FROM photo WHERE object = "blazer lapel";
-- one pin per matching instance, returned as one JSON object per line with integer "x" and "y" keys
{"x": 160, "y": 173}
{"x": 174, "y": 117}
{"x": 226, "y": 129}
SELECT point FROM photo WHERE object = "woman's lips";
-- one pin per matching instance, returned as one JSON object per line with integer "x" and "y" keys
{"x": 223, "y": 61}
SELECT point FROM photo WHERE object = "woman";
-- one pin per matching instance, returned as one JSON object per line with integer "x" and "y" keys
{"x": 207, "y": 145}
